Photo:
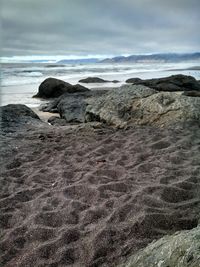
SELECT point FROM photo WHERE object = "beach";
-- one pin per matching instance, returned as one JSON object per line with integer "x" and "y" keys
{"x": 94, "y": 196}
{"x": 122, "y": 172}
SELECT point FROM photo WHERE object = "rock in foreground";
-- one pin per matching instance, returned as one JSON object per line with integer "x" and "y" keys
{"x": 52, "y": 87}
{"x": 170, "y": 84}
{"x": 71, "y": 107}
{"x": 140, "y": 105}
{"x": 15, "y": 116}
{"x": 178, "y": 250}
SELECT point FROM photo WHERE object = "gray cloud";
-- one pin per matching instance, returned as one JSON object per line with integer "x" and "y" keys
{"x": 82, "y": 27}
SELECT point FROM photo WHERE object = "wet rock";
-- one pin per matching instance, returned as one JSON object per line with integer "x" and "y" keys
{"x": 95, "y": 80}
{"x": 51, "y": 88}
{"x": 170, "y": 84}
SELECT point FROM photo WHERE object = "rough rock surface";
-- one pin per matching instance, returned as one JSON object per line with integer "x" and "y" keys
{"x": 178, "y": 250}
{"x": 140, "y": 105}
{"x": 57, "y": 121}
{"x": 114, "y": 107}
{"x": 14, "y": 116}
{"x": 71, "y": 107}
{"x": 172, "y": 83}
{"x": 95, "y": 80}
{"x": 52, "y": 87}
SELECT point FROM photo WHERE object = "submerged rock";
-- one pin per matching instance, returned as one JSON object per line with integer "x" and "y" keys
{"x": 171, "y": 84}
{"x": 95, "y": 80}
{"x": 140, "y": 105}
{"x": 52, "y": 87}
{"x": 178, "y": 250}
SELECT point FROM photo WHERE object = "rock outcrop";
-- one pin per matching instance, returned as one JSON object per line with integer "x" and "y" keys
{"x": 96, "y": 80}
{"x": 170, "y": 84}
{"x": 71, "y": 107}
{"x": 15, "y": 116}
{"x": 131, "y": 105}
{"x": 140, "y": 105}
{"x": 51, "y": 88}
{"x": 178, "y": 250}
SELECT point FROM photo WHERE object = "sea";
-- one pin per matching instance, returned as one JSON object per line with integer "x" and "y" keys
{"x": 20, "y": 81}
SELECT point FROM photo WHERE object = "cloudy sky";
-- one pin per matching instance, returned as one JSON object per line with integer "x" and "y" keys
{"x": 99, "y": 27}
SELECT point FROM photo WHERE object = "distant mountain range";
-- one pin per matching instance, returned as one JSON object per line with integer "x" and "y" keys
{"x": 78, "y": 61}
{"x": 171, "y": 57}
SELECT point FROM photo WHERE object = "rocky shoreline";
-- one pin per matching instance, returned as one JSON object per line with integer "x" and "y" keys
{"x": 116, "y": 170}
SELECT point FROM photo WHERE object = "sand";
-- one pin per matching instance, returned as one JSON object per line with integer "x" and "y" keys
{"x": 93, "y": 198}
{"x": 44, "y": 116}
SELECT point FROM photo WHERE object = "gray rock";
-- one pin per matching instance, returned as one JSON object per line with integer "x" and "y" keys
{"x": 115, "y": 106}
{"x": 140, "y": 105}
{"x": 96, "y": 80}
{"x": 192, "y": 93}
{"x": 15, "y": 116}
{"x": 52, "y": 87}
{"x": 93, "y": 80}
{"x": 57, "y": 121}
{"x": 178, "y": 250}
{"x": 71, "y": 107}
{"x": 170, "y": 84}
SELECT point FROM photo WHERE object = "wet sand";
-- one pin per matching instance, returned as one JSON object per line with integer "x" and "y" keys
{"x": 94, "y": 197}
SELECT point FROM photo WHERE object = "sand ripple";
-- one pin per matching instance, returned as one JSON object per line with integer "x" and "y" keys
{"x": 93, "y": 199}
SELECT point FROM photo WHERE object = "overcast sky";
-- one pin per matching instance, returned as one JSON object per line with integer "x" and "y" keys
{"x": 99, "y": 27}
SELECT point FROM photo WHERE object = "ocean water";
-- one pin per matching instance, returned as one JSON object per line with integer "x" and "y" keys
{"x": 20, "y": 81}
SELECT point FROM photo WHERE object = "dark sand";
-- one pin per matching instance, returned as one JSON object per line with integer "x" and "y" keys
{"x": 93, "y": 198}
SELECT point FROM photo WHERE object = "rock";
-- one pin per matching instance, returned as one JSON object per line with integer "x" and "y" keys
{"x": 134, "y": 80}
{"x": 52, "y": 87}
{"x": 95, "y": 80}
{"x": 192, "y": 93}
{"x": 140, "y": 105}
{"x": 172, "y": 83}
{"x": 71, "y": 106}
{"x": 14, "y": 116}
{"x": 115, "y": 106}
{"x": 178, "y": 250}
{"x": 57, "y": 121}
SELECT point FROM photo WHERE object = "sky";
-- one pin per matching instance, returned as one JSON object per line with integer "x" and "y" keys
{"x": 93, "y": 28}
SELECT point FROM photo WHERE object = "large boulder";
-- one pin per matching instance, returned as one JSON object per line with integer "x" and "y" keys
{"x": 171, "y": 84}
{"x": 115, "y": 106}
{"x": 140, "y": 105}
{"x": 14, "y": 116}
{"x": 178, "y": 250}
{"x": 52, "y": 87}
{"x": 95, "y": 80}
{"x": 71, "y": 107}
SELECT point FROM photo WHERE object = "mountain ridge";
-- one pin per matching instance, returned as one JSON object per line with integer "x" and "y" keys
{"x": 160, "y": 57}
